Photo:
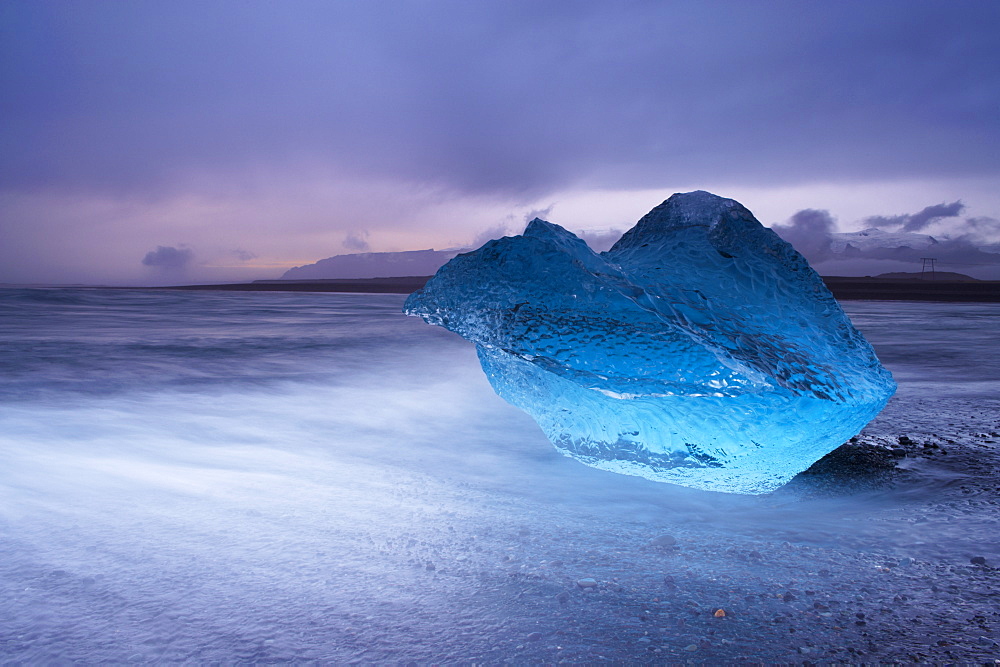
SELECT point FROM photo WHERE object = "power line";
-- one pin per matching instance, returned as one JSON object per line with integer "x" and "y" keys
{"x": 927, "y": 261}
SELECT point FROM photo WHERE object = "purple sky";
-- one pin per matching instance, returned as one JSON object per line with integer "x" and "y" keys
{"x": 146, "y": 142}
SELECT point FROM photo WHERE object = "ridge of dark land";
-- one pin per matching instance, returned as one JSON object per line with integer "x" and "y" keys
{"x": 910, "y": 289}
{"x": 843, "y": 287}
{"x": 402, "y": 285}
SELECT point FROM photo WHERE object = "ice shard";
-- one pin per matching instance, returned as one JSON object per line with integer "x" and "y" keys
{"x": 701, "y": 350}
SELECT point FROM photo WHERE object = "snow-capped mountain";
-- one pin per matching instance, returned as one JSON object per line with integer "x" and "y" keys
{"x": 874, "y": 238}
{"x": 874, "y": 251}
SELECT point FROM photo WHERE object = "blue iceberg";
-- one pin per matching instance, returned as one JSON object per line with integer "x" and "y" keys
{"x": 701, "y": 350}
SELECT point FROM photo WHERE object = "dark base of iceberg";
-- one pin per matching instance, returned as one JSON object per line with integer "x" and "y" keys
{"x": 700, "y": 350}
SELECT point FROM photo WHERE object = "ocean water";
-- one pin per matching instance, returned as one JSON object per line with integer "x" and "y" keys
{"x": 276, "y": 477}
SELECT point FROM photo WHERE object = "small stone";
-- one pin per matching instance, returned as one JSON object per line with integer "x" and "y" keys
{"x": 586, "y": 582}
{"x": 664, "y": 541}
{"x": 563, "y": 597}
{"x": 977, "y": 560}
{"x": 691, "y": 647}
{"x": 906, "y": 562}
{"x": 430, "y": 567}
{"x": 787, "y": 597}
{"x": 720, "y": 613}
{"x": 534, "y": 636}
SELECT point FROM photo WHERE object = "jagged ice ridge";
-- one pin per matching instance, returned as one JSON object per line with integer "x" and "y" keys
{"x": 701, "y": 350}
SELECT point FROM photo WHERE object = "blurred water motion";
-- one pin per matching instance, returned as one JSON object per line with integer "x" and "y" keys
{"x": 218, "y": 476}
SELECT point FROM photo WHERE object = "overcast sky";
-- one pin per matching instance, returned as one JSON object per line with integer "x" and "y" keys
{"x": 144, "y": 142}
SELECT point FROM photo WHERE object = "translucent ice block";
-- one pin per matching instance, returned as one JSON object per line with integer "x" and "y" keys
{"x": 700, "y": 350}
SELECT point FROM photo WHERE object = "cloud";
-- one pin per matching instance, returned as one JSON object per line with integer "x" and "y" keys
{"x": 168, "y": 258}
{"x": 599, "y": 241}
{"x": 983, "y": 229}
{"x": 542, "y": 213}
{"x": 809, "y": 232}
{"x": 916, "y": 222}
{"x": 514, "y": 98}
{"x": 243, "y": 255}
{"x": 496, "y": 231}
{"x": 357, "y": 241}
{"x": 943, "y": 220}
{"x": 505, "y": 228}
{"x": 425, "y": 122}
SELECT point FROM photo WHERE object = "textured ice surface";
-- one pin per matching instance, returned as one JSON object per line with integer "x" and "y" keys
{"x": 700, "y": 350}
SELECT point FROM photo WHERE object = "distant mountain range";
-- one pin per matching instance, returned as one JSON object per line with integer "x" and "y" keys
{"x": 868, "y": 244}
{"x": 875, "y": 251}
{"x": 374, "y": 265}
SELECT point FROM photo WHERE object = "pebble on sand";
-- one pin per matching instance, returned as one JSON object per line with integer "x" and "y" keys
{"x": 720, "y": 613}
{"x": 586, "y": 582}
{"x": 664, "y": 541}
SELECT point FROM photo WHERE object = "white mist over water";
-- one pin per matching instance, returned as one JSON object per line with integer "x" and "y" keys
{"x": 227, "y": 476}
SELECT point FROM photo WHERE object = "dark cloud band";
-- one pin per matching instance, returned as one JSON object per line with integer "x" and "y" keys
{"x": 506, "y": 97}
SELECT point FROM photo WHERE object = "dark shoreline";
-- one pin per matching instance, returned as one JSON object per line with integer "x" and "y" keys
{"x": 843, "y": 288}
{"x": 889, "y": 289}
{"x": 404, "y": 285}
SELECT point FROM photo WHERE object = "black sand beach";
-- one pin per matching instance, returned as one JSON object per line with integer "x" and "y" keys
{"x": 844, "y": 288}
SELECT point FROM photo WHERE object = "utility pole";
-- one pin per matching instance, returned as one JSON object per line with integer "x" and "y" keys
{"x": 927, "y": 262}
